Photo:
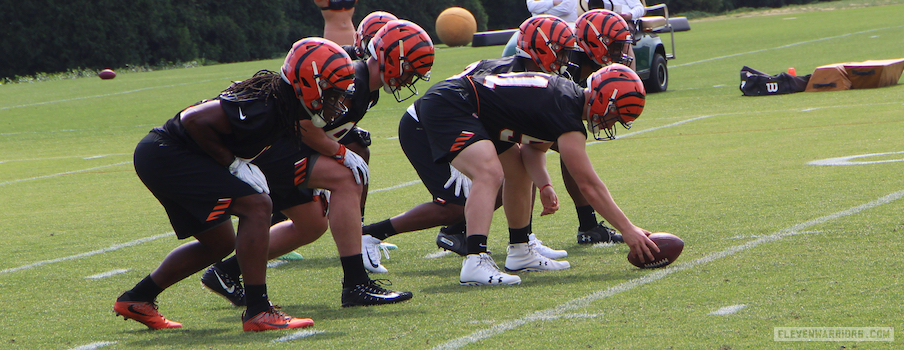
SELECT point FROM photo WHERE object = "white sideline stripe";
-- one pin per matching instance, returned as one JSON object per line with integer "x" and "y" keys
{"x": 415, "y": 182}
{"x": 107, "y": 274}
{"x": 61, "y": 174}
{"x": 276, "y": 263}
{"x": 785, "y": 46}
{"x": 95, "y": 345}
{"x": 82, "y": 255}
{"x": 654, "y": 276}
{"x": 728, "y": 310}
{"x": 64, "y": 157}
{"x": 847, "y": 160}
{"x": 297, "y": 335}
{"x": 108, "y": 95}
{"x": 438, "y": 254}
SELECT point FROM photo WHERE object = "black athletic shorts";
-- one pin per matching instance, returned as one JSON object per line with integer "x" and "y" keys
{"x": 287, "y": 167}
{"x": 196, "y": 191}
{"x": 416, "y": 146}
{"x": 450, "y": 121}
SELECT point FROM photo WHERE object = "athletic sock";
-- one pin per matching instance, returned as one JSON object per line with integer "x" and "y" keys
{"x": 519, "y": 235}
{"x": 257, "y": 300}
{"x": 381, "y": 230}
{"x": 145, "y": 290}
{"x": 477, "y": 244}
{"x": 586, "y": 218}
{"x": 353, "y": 269}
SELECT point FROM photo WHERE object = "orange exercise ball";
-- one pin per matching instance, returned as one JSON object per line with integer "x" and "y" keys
{"x": 455, "y": 26}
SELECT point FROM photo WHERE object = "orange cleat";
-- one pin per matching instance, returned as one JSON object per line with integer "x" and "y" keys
{"x": 144, "y": 312}
{"x": 274, "y": 319}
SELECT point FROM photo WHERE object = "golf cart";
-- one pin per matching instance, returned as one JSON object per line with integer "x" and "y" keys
{"x": 650, "y": 55}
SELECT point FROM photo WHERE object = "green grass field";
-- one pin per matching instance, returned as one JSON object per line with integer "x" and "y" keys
{"x": 772, "y": 239}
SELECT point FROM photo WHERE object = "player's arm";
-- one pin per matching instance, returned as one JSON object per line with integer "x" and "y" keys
{"x": 316, "y": 138}
{"x": 572, "y": 149}
{"x": 534, "y": 158}
{"x": 205, "y": 123}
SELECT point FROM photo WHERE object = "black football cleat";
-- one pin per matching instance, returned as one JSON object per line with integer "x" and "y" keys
{"x": 371, "y": 293}
{"x": 224, "y": 285}
{"x": 600, "y": 234}
{"x": 456, "y": 243}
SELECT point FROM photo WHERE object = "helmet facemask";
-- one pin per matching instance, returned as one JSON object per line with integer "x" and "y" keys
{"x": 332, "y": 97}
{"x": 406, "y": 78}
{"x": 606, "y": 122}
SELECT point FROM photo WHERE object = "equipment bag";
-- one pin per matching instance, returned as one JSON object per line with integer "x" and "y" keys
{"x": 756, "y": 83}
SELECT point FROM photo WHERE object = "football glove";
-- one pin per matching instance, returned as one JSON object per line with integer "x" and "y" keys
{"x": 462, "y": 183}
{"x": 354, "y": 162}
{"x": 249, "y": 173}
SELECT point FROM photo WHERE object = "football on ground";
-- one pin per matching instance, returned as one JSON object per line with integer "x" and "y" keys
{"x": 670, "y": 247}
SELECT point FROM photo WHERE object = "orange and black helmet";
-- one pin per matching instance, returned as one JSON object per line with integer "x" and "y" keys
{"x": 404, "y": 52}
{"x": 317, "y": 65}
{"x": 546, "y": 40}
{"x": 367, "y": 28}
{"x": 604, "y": 36}
{"x": 616, "y": 95}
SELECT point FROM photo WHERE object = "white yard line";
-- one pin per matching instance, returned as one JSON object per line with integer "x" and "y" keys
{"x": 61, "y": 174}
{"x": 728, "y": 310}
{"x": 575, "y": 304}
{"x": 784, "y": 46}
{"x": 91, "y": 253}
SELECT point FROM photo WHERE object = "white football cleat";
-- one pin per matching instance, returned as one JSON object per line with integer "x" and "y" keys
{"x": 548, "y": 252}
{"x": 370, "y": 253}
{"x": 481, "y": 270}
{"x": 522, "y": 257}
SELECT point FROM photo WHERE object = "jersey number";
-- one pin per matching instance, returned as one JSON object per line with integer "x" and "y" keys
{"x": 509, "y": 135}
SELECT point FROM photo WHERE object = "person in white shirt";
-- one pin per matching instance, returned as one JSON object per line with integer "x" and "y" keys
{"x": 564, "y": 9}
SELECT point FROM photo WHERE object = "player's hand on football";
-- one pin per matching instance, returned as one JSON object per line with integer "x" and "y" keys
{"x": 640, "y": 245}
{"x": 462, "y": 183}
{"x": 549, "y": 199}
{"x": 250, "y": 174}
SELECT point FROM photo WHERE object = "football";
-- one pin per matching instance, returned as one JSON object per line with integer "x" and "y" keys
{"x": 670, "y": 247}
{"x": 455, "y": 26}
{"x": 106, "y": 74}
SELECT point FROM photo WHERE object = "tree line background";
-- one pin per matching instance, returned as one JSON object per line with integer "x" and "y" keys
{"x": 62, "y": 35}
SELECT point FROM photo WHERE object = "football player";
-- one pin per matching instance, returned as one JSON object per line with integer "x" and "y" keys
{"x": 516, "y": 108}
{"x": 198, "y": 165}
{"x": 402, "y": 54}
{"x": 544, "y": 45}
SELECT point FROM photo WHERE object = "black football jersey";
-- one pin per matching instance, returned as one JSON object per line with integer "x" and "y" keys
{"x": 253, "y": 121}
{"x": 358, "y": 105}
{"x": 526, "y": 107}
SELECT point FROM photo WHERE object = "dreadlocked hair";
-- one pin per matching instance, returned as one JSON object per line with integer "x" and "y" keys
{"x": 267, "y": 85}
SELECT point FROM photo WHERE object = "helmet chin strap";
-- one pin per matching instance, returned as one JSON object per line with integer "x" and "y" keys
{"x": 316, "y": 118}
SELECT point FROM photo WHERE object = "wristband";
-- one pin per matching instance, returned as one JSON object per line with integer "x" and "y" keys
{"x": 545, "y": 186}
{"x": 340, "y": 154}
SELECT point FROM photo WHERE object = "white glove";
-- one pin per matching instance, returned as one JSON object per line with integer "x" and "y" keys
{"x": 249, "y": 173}
{"x": 462, "y": 182}
{"x": 354, "y": 162}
